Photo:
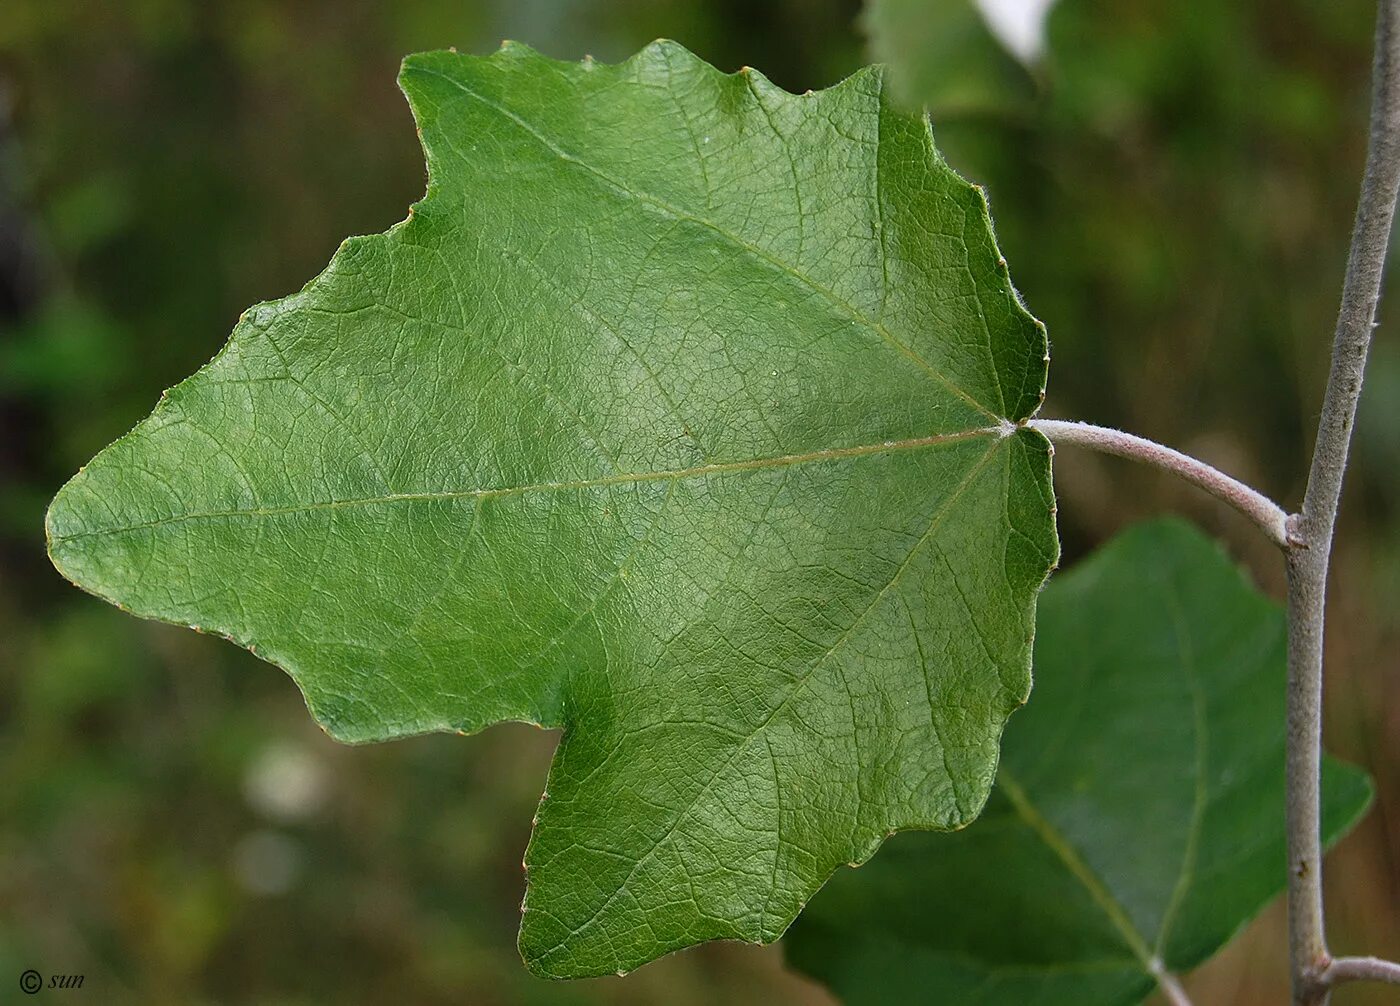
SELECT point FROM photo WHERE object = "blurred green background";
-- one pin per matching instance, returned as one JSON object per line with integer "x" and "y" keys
{"x": 1173, "y": 184}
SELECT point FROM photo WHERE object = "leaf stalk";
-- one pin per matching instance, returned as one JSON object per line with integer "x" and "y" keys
{"x": 1355, "y": 969}
{"x": 1264, "y": 512}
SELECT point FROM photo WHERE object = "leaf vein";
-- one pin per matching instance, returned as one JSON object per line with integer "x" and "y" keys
{"x": 697, "y": 471}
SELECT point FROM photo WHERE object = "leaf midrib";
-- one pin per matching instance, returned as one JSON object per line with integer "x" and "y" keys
{"x": 697, "y": 471}
{"x": 1149, "y": 957}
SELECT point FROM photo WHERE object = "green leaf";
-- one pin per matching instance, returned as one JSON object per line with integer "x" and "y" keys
{"x": 1137, "y": 821}
{"x": 680, "y": 414}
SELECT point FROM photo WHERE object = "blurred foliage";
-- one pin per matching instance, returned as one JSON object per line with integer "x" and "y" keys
{"x": 1173, "y": 185}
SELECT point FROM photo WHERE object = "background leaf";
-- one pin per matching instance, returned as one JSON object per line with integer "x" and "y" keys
{"x": 679, "y": 414}
{"x": 1137, "y": 809}
{"x": 946, "y": 59}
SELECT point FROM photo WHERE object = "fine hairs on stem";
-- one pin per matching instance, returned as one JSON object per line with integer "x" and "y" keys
{"x": 1264, "y": 512}
{"x": 1306, "y": 537}
{"x": 1313, "y": 527}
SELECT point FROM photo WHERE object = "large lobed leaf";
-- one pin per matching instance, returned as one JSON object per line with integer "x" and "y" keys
{"x": 1137, "y": 819}
{"x": 680, "y": 414}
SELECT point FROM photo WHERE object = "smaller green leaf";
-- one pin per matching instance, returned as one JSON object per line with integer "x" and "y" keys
{"x": 1137, "y": 822}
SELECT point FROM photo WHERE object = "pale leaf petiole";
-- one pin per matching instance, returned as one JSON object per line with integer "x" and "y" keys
{"x": 1264, "y": 512}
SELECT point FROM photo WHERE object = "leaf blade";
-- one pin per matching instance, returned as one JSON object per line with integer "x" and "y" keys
{"x": 672, "y": 416}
